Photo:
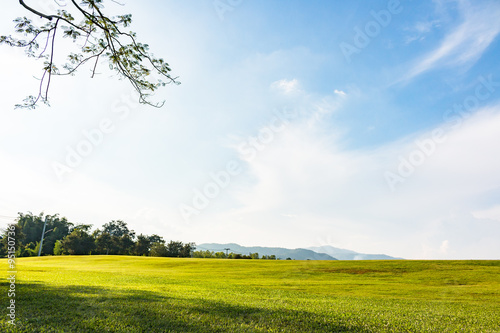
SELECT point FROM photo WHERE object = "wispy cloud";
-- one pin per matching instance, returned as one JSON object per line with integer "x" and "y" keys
{"x": 466, "y": 43}
{"x": 287, "y": 87}
{"x": 492, "y": 213}
{"x": 420, "y": 29}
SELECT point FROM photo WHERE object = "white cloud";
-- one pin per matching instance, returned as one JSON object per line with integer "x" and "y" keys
{"x": 426, "y": 26}
{"x": 445, "y": 246}
{"x": 466, "y": 43}
{"x": 287, "y": 87}
{"x": 339, "y": 92}
{"x": 420, "y": 29}
{"x": 333, "y": 191}
{"x": 81, "y": 199}
{"x": 492, "y": 213}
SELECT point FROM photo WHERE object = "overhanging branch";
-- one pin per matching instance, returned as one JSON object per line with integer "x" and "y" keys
{"x": 102, "y": 37}
{"x": 48, "y": 17}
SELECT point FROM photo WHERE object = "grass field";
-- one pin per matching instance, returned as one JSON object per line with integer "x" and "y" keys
{"x": 145, "y": 294}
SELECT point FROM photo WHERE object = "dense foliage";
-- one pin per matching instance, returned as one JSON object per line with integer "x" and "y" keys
{"x": 62, "y": 237}
{"x": 232, "y": 255}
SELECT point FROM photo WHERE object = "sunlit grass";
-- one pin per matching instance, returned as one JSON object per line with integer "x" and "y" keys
{"x": 145, "y": 294}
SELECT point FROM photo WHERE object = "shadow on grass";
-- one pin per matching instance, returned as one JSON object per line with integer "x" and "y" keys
{"x": 43, "y": 308}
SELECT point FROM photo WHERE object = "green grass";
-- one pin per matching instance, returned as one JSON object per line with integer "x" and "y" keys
{"x": 144, "y": 294}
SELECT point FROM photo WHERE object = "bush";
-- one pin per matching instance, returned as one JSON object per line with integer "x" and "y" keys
{"x": 158, "y": 250}
{"x": 58, "y": 249}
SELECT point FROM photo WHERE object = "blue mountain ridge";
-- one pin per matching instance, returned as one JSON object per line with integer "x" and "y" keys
{"x": 311, "y": 253}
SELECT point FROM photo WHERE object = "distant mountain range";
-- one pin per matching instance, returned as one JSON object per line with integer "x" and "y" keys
{"x": 279, "y": 252}
{"x": 342, "y": 254}
{"x": 312, "y": 253}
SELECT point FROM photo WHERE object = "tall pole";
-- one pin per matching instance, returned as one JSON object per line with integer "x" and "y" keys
{"x": 43, "y": 234}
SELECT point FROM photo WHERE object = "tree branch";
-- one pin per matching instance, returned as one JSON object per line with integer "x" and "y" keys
{"x": 51, "y": 60}
{"x": 48, "y": 17}
{"x": 101, "y": 37}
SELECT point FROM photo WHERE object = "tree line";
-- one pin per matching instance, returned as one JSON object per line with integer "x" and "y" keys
{"x": 222, "y": 255}
{"x": 62, "y": 237}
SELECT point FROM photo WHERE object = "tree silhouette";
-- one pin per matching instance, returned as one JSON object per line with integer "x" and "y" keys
{"x": 96, "y": 36}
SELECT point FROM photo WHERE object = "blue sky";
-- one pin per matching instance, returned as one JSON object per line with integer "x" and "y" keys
{"x": 280, "y": 134}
